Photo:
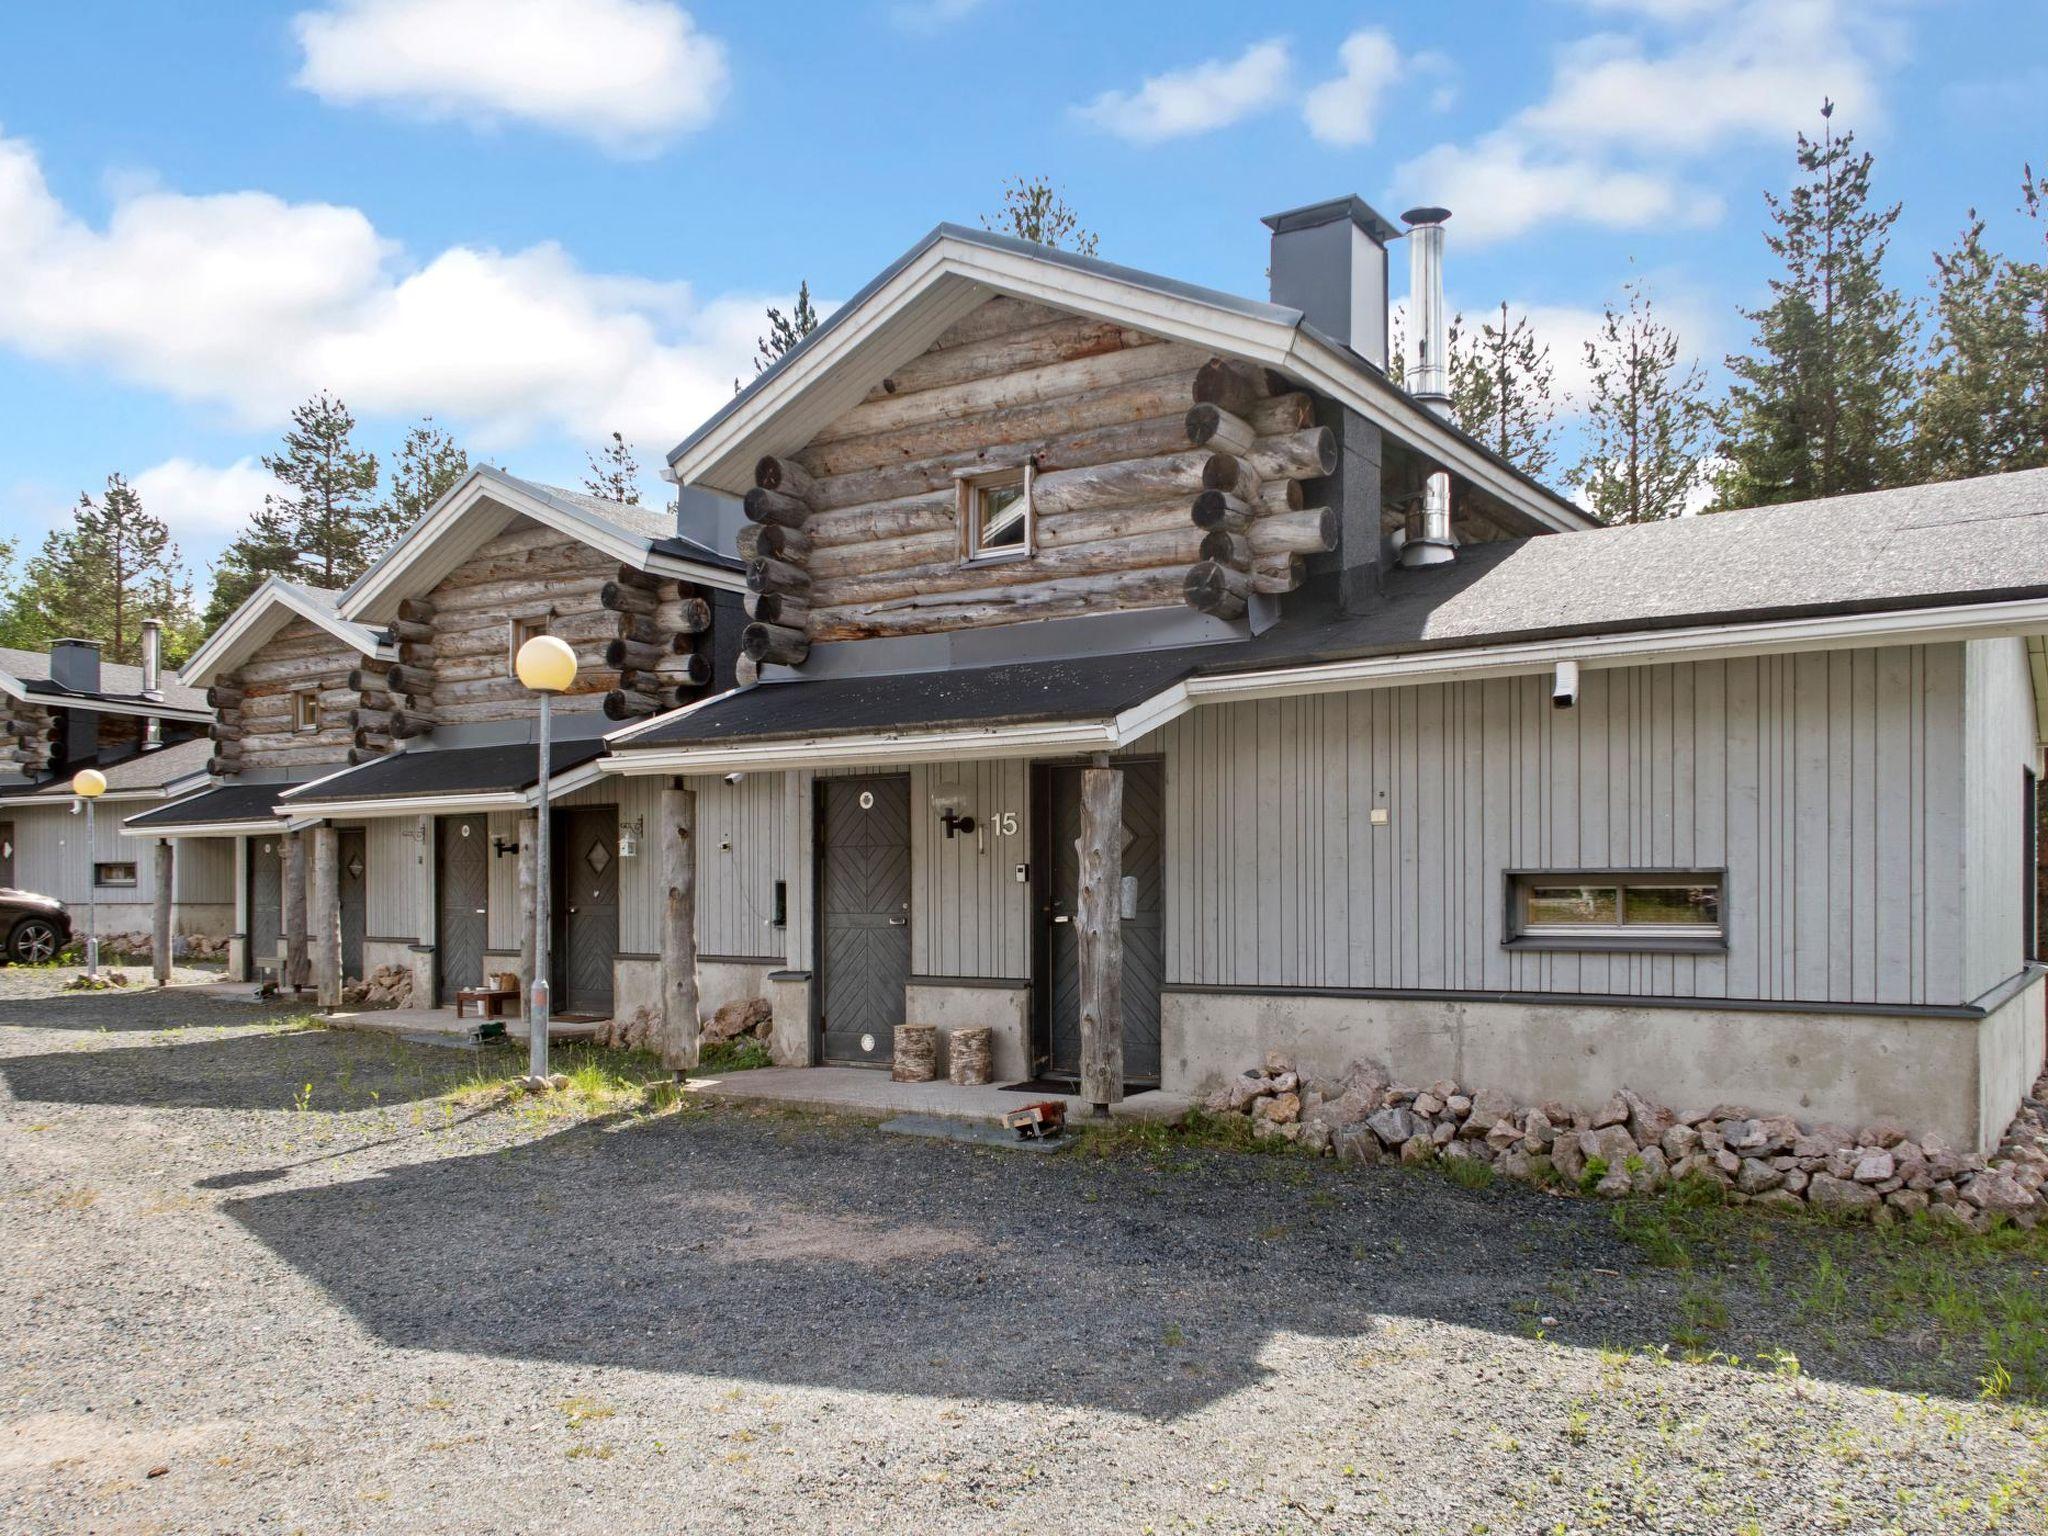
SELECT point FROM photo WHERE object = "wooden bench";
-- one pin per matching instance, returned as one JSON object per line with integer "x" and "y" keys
{"x": 490, "y": 1001}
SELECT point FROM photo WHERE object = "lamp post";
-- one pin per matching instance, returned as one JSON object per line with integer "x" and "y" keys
{"x": 89, "y": 784}
{"x": 547, "y": 666}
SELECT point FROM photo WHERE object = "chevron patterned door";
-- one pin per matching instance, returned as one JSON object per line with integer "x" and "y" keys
{"x": 587, "y": 908}
{"x": 354, "y": 871}
{"x": 462, "y": 879}
{"x": 266, "y": 906}
{"x": 863, "y": 917}
{"x": 1144, "y": 949}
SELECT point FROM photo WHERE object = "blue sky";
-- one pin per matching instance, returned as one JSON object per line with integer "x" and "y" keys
{"x": 540, "y": 219}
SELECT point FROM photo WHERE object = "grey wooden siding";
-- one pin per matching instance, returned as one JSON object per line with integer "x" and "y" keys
{"x": 203, "y": 868}
{"x": 1999, "y": 746}
{"x": 969, "y": 915}
{"x": 392, "y": 857}
{"x": 741, "y": 837}
{"x": 1825, "y": 783}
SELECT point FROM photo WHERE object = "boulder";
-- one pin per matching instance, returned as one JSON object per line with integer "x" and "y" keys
{"x": 1538, "y": 1131}
{"x": 1651, "y": 1172}
{"x": 1356, "y": 1143}
{"x": 1873, "y": 1166}
{"x": 1489, "y": 1107}
{"x": 1779, "y": 1199}
{"x": 1612, "y": 1144}
{"x": 1840, "y": 1197}
{"x": 1998, "y": 1194}
{"x": 1280, "y": 1108}
{"x": 1647, "y": 1122}
{"x": 753, "y": 1016}
{"x": 1680, "y": 1142}
{"x": 1566, "y": 1157}
{"x": 1243, "y": 1090}
{"x": 1416, "y": 1149}
{"x": 1278, "y": 1062}
{"x": 1755, "y": 1176}
{"x": 1613, "y": 1112}
{"x": 1881, "y": 1133}
{"x": 1314, "y": 1137}
{"x": 1746, "y": 1136}
{"x": 1394, "y": 1126}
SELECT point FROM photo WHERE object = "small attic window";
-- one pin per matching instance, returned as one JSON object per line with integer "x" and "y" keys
{"x": 996, "y": 521}
{"x": 523, "y": 630}
{"x": 306, "y": 711}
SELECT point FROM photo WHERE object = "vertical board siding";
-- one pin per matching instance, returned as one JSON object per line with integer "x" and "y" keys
{"x": 1823, "y": 782}
{"x": 202, "y": 868}
{"x": 390, "y": 876}
{"x": 969, "y": 914}
{"x": 741, "y": 852}
{"x": 1999, "y": 747}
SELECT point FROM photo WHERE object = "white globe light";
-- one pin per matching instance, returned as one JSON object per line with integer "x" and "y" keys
{"x": 89, "y": 784}
{"x": 546, "y": 664}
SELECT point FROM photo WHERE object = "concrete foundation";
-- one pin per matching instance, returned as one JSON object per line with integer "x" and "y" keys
{"x": 731, "y": 981}
{"x": 1958, "y": 1078}
{"x": 1004, "y": 1011}
{"x": 790, "y": 1043}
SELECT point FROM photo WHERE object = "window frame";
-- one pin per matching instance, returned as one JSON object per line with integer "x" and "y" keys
{"x": 967, "y": 484}
{"x": 518, "y": 634}
{"x": 1620, "y": 935}
{"x": 100, "y": 866}
{"x": 305, "y": 711}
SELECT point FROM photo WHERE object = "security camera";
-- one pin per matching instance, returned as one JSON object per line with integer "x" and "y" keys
{"x": 734, "y": 777}
{"x": 1564, "y": 688}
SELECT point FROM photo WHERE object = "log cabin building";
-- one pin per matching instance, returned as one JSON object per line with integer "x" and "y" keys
{"x": 372, "y": 754}
{"x": 1141, "y": 671}
{"x": 65, "y": 710}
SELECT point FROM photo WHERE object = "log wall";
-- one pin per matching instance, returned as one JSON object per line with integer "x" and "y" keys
{"x": 253, "y": 712}
{"x": 857, "y": 534}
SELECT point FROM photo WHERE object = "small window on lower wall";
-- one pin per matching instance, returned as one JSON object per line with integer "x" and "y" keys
{"x": 1638, "y": 909}
{"x": 113, "y": 874}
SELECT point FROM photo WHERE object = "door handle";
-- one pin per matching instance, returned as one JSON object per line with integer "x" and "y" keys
{"x": 1063, "y": 918}
{"x": 898, "y": 922}
{"x": 483, "y": 911}
{"x": 572, "y": 909}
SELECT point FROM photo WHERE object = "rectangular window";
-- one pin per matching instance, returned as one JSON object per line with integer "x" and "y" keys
{"x": 2032, "y": 875}
{"x": 523, "y": 630}
{"x": 113, "y": 874}
{"x": 996, "y": 520}
{"x": 1615, "y": 909}
{"x": 306, "y": 711}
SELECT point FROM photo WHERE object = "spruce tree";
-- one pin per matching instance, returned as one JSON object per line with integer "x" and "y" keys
{"x": 336, "y": 530}
{"x": 428, "y": 465}
{"x": 614, "y": 473}
{"x": 1822, "y": 403}
{"x": 1983, "y": 404}
{"x": 1501, "y": 390}
{"x": 1647, "y": 420}
{"x": 785, "y": 331}
{"x": 1033, "y": 210}
{"x": 101, "y": 577}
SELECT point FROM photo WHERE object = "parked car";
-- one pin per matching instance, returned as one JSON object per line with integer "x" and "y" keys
{"x": 37, "y": 927}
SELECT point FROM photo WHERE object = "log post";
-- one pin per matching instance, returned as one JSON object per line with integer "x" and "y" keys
{"x": 679, "y": 1004}
{"x": 1101, "y": 936}
{"x": 327, "y": 915}
{"x": 294, "y": 874}
{"x": 529, "y": 827}
{"x": 160, "y": 934}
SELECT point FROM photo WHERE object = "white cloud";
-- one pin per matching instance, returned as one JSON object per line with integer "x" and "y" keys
{"x": 931, "y": 15}
{"x": 204, "y": 499}
{"x": 1501, "y": 187}
{"x": 1345, "y": 111}
{"x": 251, "y": 302}
{"x": 629, "y": 74}
{"x": 1210, "y": 95}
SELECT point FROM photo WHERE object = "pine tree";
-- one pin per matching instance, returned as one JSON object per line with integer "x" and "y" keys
{"x": 1647, "y": 419}
{"x": 1501, "y": 390}
{"x": 614, "y": 473}
{"x": 266, "y": 547}
{"x": 101, "y": 577}
{"x": 1822, "y": 404}
{"x": 785, "y": 331}
{"x": 336, "y": 530}
{"x": 1983, "y": 404}
{"x": 1034, "y": 210}
{"x": 427, "y": 466}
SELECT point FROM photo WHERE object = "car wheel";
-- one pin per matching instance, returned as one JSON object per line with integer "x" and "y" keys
{"x": 35, "y": 941}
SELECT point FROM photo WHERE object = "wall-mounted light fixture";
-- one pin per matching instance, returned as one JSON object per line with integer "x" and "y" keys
{"x": 630, "y": 833}
{"x": 950, "y": 817}
{"x": 500, "y": 846}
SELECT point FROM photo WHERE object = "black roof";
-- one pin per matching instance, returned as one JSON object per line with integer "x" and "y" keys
{"x": 507, "y": 769}
{"x": 229, "y": 803}
{"x": 1013, "y": 693}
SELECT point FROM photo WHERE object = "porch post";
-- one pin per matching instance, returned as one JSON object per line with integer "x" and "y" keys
{"x": 160, "y": 935}
{"x": 1101, "y": 936}
{"x": 425, "y": 915}
{"x": 529, "y": 828}
{"x": 679, "y": 1021}
{"x": 294, "y": 879}
{"x": 327, "y": 915}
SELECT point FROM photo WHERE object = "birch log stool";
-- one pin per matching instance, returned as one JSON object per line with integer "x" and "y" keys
{"x": 917, "y": 1053}
{"x": 967, "y": 1056}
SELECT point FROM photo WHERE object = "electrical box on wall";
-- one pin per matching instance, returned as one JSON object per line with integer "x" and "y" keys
{"x": 1379, "y": 816}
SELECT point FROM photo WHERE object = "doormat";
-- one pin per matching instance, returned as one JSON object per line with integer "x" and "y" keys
{"x": 980, "y": 1133}
{"x": 1044, "y": 1085}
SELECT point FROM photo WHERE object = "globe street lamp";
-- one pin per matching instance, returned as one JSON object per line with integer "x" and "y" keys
{"x": 547, "y": 666}
{"x": 89, "y": 784}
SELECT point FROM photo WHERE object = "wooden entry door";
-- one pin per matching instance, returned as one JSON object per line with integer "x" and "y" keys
{"x": 352, "y": 853}
{"x": 863, "y": 917}
{"x": 462, "y": 857}
{"x": 586, "y": 904}
{"x": 266, "y": 907}
{"x": 1059, "y": 997}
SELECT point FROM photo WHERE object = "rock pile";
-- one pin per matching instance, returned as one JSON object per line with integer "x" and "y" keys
{"x": 141, "y": 945}
{"x": 1630, "y": 1145}
{"x": 747, "y": 1016}
{"x": 388, "y": 986}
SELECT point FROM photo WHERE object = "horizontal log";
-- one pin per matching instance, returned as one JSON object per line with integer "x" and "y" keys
{"x": 624, "y": 704}
{"x": 299, "y": 753}
{"x": 777, "y": 608}
{"x": 1059, "y": 598}
{"x": 1236, "y": 387}
{"x": 633, "y": 576}
{"x": 418, "y": 609}
{"x": 221, "y": 696}
{"x": 883, "y": 554}
{"x": 1282, "y": 413}
{"x": 1170, "y": 547}
{"x": 903, "y": 517}
{"x": 1225, "y": 548}
{"x": 774, "y": 642}
{"x": 1309, "y": 454}
{"x": 372, "y": 741}
{"x": 765, "y": 575}
{"x": 273, "y": 673}
{"x": 223, "y": 767}
{"x": 569, "y": 590}
{"x": 1219, "y": 509}
{"x": 1276, "y": 572}
{"x": 774, "y": 540}
{"x": 370, "y": 679}
{"x": 689, "y": 670}
{"x": 1214, "y": 588}
{"x": 1112, "y": 522}
{"x": 417, "y": 653}
{"x": 745, "y": 672}
{"x": 358, "y": 755}
{"x": 764, "y": 506}
{"x": 638, "y": 680}
{"x": 1281, "y": 496}
{"x": 406, "y": 724}
{"x": 1121, "y": 483}
{"x": 23, "y": 755}
{"x": 412, "y": 680}
{"x": 1060, "y": 340}
{"x": 370, "y": 718}
{"x": 1310, "y": 531}
{"x": 1214, "y": 427}
{"x": 620, "y": 598}
{"x": 411, "y": 629}
{"x": 626, "y": 653}
{"x": 772, "y": 473}
{"x": 223, "y": 730}
{"x": 692, "y": 617}
{"x": 992, "y": 318}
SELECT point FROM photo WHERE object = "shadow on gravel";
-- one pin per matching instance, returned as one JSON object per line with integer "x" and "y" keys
{"x": 339, "y": 1070}
{"x": 826, "y": 1256}
{"x": 137, "y": 1010}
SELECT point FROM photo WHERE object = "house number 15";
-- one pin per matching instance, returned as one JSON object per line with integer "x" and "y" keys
{"x": 1003, "y": 823}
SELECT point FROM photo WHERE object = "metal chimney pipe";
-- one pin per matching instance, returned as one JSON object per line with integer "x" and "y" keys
{"x": 1429, "y": 540}
{"x": 152, "y": 658}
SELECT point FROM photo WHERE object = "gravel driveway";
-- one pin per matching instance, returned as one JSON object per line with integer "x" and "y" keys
{"x": 257, "y": 1276}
